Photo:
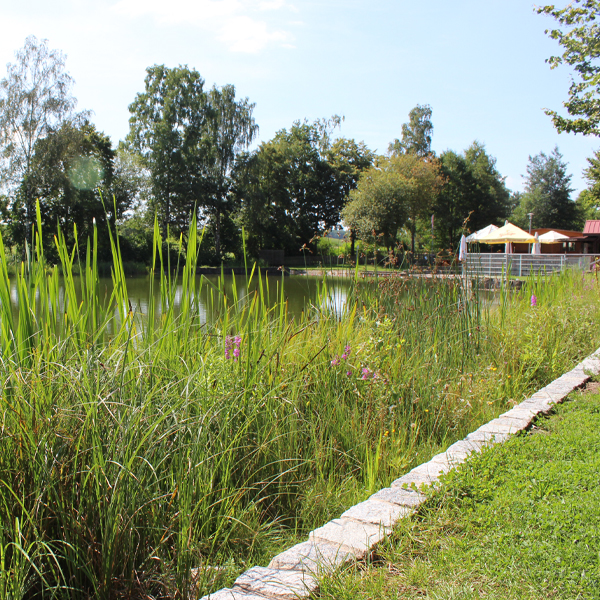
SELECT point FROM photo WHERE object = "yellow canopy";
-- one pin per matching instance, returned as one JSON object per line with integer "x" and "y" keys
{"x": 507, "y": 233}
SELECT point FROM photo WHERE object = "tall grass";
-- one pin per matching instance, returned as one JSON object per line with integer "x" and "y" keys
{"x": 139, "y": 449}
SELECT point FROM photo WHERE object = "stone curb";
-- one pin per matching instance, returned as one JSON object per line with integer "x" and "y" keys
{"x": 294, "y": 574}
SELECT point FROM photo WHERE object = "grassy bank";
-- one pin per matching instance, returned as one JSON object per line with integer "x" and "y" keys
{"x": 519, "y": 521}
{"x": 137, "y": 447}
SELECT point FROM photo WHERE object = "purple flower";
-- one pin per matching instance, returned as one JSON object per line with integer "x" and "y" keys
{"x": 533, "y": 300}
{"x": 366, "y": 373}
{"x": 348, "y": 373}
{"x": 232, "y": 347}
{"x": 335, "y": 361}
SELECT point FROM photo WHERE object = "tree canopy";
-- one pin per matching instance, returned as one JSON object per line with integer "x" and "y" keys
{"x": 416, "y": 134}
{"x": 548, "y": 194}
{"x": 396, "y": 192}
{"x": 294, "y": 186}
{"x": 579, "y": 36}
{"x": 35, "y": 97}
{"x": 169, "y": 128}
{"x": 69, "y": 167}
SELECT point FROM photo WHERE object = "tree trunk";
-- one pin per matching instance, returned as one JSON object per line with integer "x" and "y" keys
{"x": 352, "y": 240}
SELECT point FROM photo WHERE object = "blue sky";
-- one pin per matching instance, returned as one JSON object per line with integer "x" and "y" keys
{"x": 479, "y": 65}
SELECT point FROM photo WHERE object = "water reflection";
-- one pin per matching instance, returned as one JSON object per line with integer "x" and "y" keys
{"x": 298, "y": 292}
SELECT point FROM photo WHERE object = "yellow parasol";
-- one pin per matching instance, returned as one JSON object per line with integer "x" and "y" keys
{"x": 508, "y": 233}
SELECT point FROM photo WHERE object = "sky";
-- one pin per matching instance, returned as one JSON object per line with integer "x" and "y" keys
{"x": 479, "y": 65}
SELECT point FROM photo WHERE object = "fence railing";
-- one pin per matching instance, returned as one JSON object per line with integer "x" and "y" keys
{"x": 521, "y": 265}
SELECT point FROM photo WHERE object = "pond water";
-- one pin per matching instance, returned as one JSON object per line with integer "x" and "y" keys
{"x": 298, "y": 291}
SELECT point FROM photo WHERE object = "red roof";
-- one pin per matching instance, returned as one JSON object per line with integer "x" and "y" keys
{"x": 592, "y": 227}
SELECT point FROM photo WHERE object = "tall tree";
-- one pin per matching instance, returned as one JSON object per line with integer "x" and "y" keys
{"x": 473, "y": 196}
{"x": 295, "y": 185}
{"x": 232, "y": 129}
{"x": 70, "y": 167}
{"x": 35, "y": 96}
{"x": 397, "y": 192}
{"x": 548, "y": 194}
{"x": 416, "y": 134}
{"x": 377, "y": 208}
{"x": 589, "y": 199}
{"x": 170, "y": 129}
{"x": 579, "y": 38}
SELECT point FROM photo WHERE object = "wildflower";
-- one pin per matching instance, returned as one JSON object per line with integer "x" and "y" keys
{"x": 366, "y": 373}
{"x": 346, "y": 353}
{"x": 335, "y": 361}
{"x": 232, "y": 347}
{"x": 348, "y": 373}
{"x": 533, "y": 300}
{"x": 386, "y": 433}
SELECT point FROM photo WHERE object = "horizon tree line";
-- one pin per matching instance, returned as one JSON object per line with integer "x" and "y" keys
{"x": 188, "y": 153}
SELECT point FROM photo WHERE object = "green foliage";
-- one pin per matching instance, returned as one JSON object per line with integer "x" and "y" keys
{"x": 35, "y": 97}
{"x": 473, "y": 196}
{"x": 395, "y": 193}
{"x": 135, "y": 447}
{"x": 548, "y": 195}
{"x": 588, "y": 200}
{"x": 416, "y": 134}
{"x": 169, "y": 129}
{"x": 579, "y": 40}
{"x": 294, "y": 186}
{"x": 69, "y": 167}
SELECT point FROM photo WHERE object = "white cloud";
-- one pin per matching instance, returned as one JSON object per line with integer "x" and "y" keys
{"x": 232, "y": 19}
{"x": 244, "y": 34}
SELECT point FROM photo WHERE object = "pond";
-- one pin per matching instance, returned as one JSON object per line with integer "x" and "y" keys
{"x": 298, "y": 291}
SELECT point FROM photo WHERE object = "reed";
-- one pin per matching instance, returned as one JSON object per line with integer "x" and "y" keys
{"x": 140, "y": 452}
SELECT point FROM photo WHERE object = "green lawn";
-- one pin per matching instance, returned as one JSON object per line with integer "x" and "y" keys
{"x": 519, "y": 521}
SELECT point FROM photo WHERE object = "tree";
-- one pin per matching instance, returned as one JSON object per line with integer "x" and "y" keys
{"x": 548, "y": 194}
{"x": 416, "y": 134}
{"x": 69, "y": 167}
{"x": 397, "y": 192}
{"x": 588, "y": 200}
{"x": 35, "y": 97}
{"x": 295, "y": 185}
{"x": 232, "y": 129}
{"x": 378, "y": 207}
{"x": 474, "y": 194}
{"x": 579, "y": 39}
{"x": 170, "y": 130}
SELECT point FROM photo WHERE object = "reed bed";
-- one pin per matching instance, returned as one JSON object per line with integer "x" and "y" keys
{"x": 155, "y": 456}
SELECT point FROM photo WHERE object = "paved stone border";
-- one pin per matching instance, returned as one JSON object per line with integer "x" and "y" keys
{"x": 294, "y": 574}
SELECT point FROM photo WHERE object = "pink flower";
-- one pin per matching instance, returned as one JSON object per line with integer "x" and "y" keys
{"x": 366, "y": 373}
{"x": 533, "y": 300}
{"x": 335, "y": 361}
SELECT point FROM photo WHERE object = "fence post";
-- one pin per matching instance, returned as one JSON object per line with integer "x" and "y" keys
{"x": 520, "y": 264}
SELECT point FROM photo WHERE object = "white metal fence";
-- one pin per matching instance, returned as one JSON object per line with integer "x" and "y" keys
{"x": 521, "y": 265}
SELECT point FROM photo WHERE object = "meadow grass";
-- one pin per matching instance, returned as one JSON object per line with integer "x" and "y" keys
{"x": 158, "y": 455}
{"x": 518, "y": 521}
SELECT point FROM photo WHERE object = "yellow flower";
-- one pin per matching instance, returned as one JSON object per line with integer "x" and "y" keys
{"x": 386, "y": 434}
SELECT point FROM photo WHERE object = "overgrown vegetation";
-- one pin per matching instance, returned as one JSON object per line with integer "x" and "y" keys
{"x": 136, "y": 447}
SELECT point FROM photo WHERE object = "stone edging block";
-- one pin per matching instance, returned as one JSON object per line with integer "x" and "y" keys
{"x": 293, "y": 574}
